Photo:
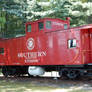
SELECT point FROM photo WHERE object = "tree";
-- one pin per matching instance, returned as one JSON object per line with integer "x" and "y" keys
{"x": 21, "y": 11}
{"x": 33, "y": 9}
{"x": 80, "y": 13}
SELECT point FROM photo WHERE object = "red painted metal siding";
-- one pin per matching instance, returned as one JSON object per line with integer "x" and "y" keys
{"x": 48, "y": 47}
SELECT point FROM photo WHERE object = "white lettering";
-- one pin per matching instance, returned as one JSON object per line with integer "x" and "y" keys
{"x": 41, "y": 54}
{"x": 57, "y": 24}
{"x": 31, "y": 55}
{"x": 28, "y": 61}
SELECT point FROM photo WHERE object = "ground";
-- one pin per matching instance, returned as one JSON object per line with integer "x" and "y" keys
{"x": 44, "y": 84}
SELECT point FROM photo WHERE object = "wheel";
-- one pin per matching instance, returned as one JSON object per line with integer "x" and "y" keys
{"x": 62, "y": 73}
{"x": 5, "y": 71}
{"x": 72, "y": 74}
{"x": 8, "y": 71}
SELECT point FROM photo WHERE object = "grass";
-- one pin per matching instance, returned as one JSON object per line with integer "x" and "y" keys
{"x": 80, "y": 91}
{"x": 31, "y": 85}
{"x": 11, "y": 86}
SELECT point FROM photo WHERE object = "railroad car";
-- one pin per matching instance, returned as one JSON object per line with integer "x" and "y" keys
{"x": 48, "y": 45}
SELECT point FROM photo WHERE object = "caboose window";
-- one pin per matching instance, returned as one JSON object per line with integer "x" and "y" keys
{"x": 48, "y": 24}
{"x": 40, "y": 25}
{"x": 29, "y": 28}
{"x": 1, "y": 50}
{"x": 71, "y": 43}
{"x": 65, "y": 26}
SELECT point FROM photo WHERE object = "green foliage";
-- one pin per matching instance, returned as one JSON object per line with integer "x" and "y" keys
{"x": 80, "y": 13}
{"x": 17, "y": 12}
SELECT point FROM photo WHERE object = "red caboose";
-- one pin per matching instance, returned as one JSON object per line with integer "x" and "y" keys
{"x": 48, "y": 45}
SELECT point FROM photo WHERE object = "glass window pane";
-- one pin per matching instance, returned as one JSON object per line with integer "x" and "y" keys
{"x": 72, "y": 43}
{"x": 48, "y": 24}
{"x": 29, "y": 28}
{"x": 1, "y": 50}
{"x": 40, "y": 25}
{"x": 65, "y": 26}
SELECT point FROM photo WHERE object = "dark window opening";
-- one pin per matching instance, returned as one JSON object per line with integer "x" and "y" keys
{"x": 48, "y": 24}
{"x": 72, "y": 43}
{"x": 41, "y": 26}
{"x": 1, "y": 50}
{"x": 65, "y": 26}
{"x": 29, "y": 28}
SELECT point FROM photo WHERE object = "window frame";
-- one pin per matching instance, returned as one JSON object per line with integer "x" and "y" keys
{"x": 73, "y": 45}
{"x": 50, "y": 27}
{"x": 28, "y": 28}
{"x": 40, "y": 29}
{"x": 65, "y": 26}
{"x": 2, "y": 51}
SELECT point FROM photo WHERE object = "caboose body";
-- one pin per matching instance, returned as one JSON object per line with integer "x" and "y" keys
{"x": 48, "y": 45}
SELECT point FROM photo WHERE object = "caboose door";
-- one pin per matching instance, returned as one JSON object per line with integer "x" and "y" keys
{"x": 90, "y": 47}
{"x": 85, "y": 46}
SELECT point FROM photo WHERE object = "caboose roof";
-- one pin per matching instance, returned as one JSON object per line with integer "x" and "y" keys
{"x": 49, "y": 19}
{"x": 89, "y": 26}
